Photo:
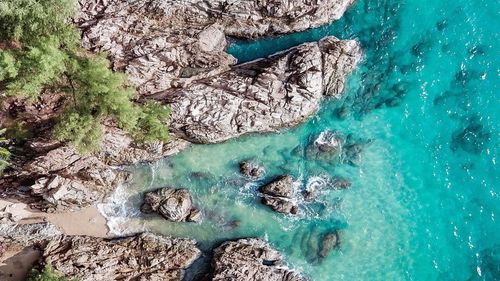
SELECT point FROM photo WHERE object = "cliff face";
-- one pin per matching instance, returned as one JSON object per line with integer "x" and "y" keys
{"x": 174, "y": 52}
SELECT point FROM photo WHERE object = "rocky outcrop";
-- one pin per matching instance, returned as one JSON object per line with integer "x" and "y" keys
{"x": 251, "y": 170}
{"x": 279, "y": 195}
{"x": 261, "y": 96}
{"x": 173, "y": 204}
{"x": 164, "y": 44}
{"x": 251, "y": 260}
{"x": 27, "y": 234}
{"x": 143, "y": 257}
{"x": 174, "y": 52}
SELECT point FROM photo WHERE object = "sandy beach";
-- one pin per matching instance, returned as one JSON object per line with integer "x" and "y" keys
{"x": 16, "y": 261}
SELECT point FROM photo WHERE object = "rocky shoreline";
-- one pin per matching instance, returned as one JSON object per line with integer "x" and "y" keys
{"x": 174, "y": 52}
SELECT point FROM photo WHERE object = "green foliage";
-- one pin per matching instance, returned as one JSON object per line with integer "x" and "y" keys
{"x": 37, "y": 67}
{"x": 27, "y": 21}
{"x": 81, "y": 130}
{"x": 17, "y": 132}
{"x": 44, "y": 51}
{"x": 102, "y": 92}
{"x": 47, "y": 274}
{"x": 9, "y": 67}
{"x": 151, "y": 124}
{"x": 4, "y": 152}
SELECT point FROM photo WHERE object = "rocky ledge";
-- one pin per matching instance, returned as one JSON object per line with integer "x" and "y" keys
{"x": 140, "y": 257}
{"x": 250, "y": 260}
{"x": 145, "y": 256}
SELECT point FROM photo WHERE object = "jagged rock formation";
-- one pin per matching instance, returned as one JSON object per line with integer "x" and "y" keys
{"x": 142, "y": 257}
{"x": 261, "y": 96}
{"x": 27, "y": 234}
{"x": 164, "y": 44}
{"x": 145, "y": 256}
{"x": 279, "y": 194}
{"x": 250, "y": 260}
{"x": 173, "y": 204}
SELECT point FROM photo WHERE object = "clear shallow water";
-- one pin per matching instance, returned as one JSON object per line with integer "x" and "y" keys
{"x": 424, "y": 204}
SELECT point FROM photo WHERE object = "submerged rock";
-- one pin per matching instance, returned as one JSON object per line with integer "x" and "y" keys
{"x": 326, "y": 146}
{"x": 341, "y": 183}
{"x": 329, "y": 242}
{"x": 250, "y": 260}
{"x": 251, "y": 170}
{"x": 173, "y": 204}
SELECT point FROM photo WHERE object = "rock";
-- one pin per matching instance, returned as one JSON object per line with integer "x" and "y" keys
{"x": 265, "y": 95}
{"x": 251, "y": 170}
{"x": 326, "y": 146}
{"x": 281, "y": 205}
{"x": 250, "y": 260}
{"x": 173, "y": 204}
{"x": 341, "y": 183}
{"x": 13, "y": 212}
{"x": 194, "y": 216}
{"x": 155, "y": 41}
{"x": 329, "y": 242}
{"x": 281, "y": 187}
{"x": 28, "y": 234}
{"x": 143, "y": 257}
{"x": 279, "y": 193}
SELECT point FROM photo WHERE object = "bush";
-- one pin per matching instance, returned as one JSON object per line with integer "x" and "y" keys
{"x": 4, "y": 152}
{"x": 151, "y": 123}
{"x": 81, "y": 130}
{"x": 47, "y": 274}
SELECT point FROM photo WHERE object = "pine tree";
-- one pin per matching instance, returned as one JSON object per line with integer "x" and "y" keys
{"x": 45, "y": 52}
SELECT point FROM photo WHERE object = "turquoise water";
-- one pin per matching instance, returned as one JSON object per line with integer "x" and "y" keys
{"x": 423, "y": 106}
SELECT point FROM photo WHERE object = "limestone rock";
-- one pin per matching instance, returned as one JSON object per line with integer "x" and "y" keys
{"x": 250, "y": 260}
{"x": 173, "y": 204}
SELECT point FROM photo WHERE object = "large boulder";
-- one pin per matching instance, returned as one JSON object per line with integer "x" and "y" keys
{"x": 281, "y": 187}
{"x": 279, "y": 195}
{"x": 250, "y": 260}
{"x": 173, "y": 204}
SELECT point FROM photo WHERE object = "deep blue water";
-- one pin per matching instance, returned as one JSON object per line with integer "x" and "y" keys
{"x": 423, "y": 108}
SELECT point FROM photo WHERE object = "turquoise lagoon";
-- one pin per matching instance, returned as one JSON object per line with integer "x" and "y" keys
{"x": 424, "y": 202}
